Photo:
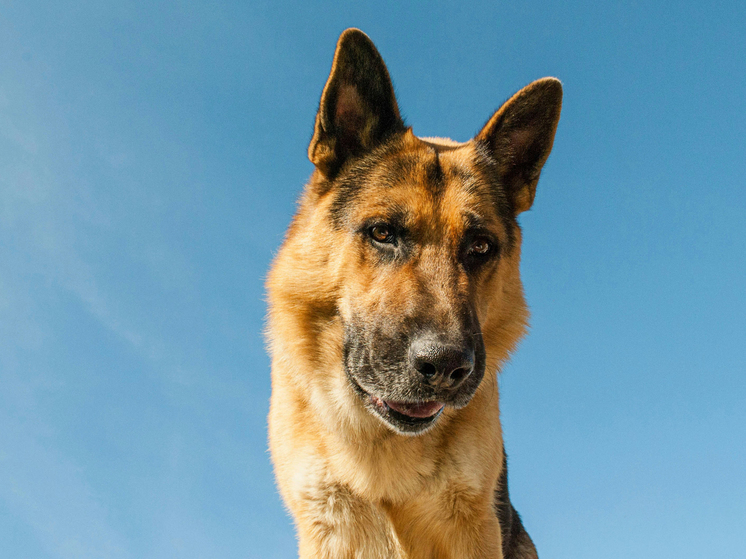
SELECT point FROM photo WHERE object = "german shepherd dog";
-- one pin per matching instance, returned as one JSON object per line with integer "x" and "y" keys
{"x": 396, "y": 289}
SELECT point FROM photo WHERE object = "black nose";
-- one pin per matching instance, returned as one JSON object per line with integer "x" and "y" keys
{"x": 442, "y": 365}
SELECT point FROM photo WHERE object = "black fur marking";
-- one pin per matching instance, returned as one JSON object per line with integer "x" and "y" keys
{"x": 516, "y": 542}
{"x": 435, "y": 176}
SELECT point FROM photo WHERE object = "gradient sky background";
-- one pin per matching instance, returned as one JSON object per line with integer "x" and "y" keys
{"x": 150, "y": 157}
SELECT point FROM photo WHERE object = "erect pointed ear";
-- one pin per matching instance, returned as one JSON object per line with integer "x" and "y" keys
{"x": 357, "y": 109}
{"x": 520, "y": 136}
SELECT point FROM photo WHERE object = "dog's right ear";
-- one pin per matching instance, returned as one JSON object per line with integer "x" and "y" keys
{"x": 358, "y": 109}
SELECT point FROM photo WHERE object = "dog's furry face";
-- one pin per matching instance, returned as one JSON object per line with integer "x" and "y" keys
{"x": 417, "y": 239}
{"x": 424, "y": 226}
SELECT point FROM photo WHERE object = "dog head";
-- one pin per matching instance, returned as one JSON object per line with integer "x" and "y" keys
{"x": 417, "y": 239}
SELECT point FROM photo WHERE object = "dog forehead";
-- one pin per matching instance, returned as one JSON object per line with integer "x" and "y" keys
{"x": 426, "y": 180}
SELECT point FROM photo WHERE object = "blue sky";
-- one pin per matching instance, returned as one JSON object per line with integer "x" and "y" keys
{"x": 150, "y": 158}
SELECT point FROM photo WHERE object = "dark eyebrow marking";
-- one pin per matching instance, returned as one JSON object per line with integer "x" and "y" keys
{"x": 394, "y": 215}
{"x": 473, "y": 221}
{"x": 458, "y": 172}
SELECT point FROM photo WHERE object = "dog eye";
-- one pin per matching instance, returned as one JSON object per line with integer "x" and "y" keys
{"x": 480, "y": 246}
{"x": 381, "y": 233}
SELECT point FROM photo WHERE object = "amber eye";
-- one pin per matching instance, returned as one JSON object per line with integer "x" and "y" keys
{"x": 480, "y": 246}
{"x": 382, "y": 233}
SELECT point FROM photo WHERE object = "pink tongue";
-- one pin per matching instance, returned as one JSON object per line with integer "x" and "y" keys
{"x": 426, "y": 409}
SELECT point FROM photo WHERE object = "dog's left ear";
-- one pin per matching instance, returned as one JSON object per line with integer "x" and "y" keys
{"x": 520, "y": 136}
{"x": 358, "y": 109}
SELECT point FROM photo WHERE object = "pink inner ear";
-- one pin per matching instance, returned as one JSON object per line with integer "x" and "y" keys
{"x": 349, "y": 113}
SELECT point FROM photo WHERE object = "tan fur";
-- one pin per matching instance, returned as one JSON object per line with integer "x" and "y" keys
{"x": 357, "y": 489}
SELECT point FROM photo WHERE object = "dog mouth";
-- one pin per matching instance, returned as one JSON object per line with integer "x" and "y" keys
{"x": 410, "y": 410}
{"x": 407, "y": 418}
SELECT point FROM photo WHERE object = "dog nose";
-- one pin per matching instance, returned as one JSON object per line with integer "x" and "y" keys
{"x": 442, "y": 366}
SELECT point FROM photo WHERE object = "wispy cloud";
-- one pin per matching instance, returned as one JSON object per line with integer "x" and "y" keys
{"x": 45, "y": 217}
